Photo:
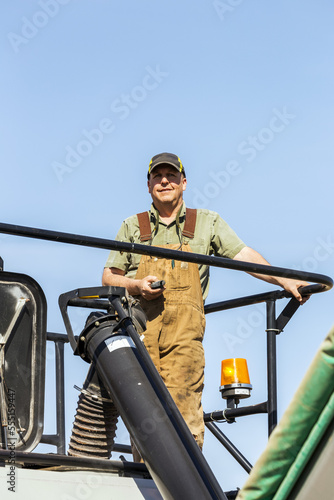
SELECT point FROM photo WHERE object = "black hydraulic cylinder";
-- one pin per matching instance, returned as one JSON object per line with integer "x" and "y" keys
{"x": 149, "y": 420}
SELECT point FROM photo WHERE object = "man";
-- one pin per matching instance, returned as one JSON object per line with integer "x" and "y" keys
{"x": 175, "y": 312}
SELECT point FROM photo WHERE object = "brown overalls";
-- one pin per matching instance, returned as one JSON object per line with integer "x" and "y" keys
{"x": 174, "y": 334}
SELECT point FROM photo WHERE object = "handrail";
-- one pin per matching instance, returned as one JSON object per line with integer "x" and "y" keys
{"x": 258, "y": 298}
{"x": 89, "y": 241}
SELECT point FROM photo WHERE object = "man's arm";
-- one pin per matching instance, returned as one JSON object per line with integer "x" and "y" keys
{"x": 247, "y": 254}
{"x": 112, "y": 276}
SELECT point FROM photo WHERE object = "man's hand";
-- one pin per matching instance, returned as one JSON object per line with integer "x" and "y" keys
{"x": 292, "y": 286}
{"x": 115, "y": 277}
{"x": 145, "y": 288}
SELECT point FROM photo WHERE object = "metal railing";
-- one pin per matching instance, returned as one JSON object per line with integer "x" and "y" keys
{"x": 273, "y": 327}
{"x": 89, "y": 241}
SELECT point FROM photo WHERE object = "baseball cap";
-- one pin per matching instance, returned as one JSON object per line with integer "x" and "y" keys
{"x": 166, "y": 159}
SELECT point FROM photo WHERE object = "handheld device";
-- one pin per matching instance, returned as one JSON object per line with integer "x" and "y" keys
{"x": 158, "y": 284}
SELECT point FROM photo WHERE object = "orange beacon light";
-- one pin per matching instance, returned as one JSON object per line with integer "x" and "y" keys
{"x": 235, "y": 381}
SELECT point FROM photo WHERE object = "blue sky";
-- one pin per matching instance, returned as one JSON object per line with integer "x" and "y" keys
{"x": 241, "y": 91}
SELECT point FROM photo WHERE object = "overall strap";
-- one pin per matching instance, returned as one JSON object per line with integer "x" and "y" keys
{"x": 190, "y": 223}
{"x": 188, "y": 229}
{"x": 144, "y": 226}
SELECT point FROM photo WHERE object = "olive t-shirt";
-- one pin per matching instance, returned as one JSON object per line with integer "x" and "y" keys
{"x": 213, "y": 236}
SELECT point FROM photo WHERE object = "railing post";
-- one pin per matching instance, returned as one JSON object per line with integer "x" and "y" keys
{"x": 271, "y": 365}
{"x": 60, "y": 394}
{"x": 58, "y": 439}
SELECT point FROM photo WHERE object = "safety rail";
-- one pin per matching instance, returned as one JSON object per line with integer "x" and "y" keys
{"x": 106, "y": 244}
{"x": 274, "y": 325}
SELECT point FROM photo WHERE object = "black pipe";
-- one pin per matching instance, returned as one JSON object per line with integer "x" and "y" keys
{"x": 230, "y": 413}
{"x": 264, "y": 297}
{"x": 244, "y": 301}
{"x": 122, "y": 448}
{"x": 89, "y": 241}
{"x": 287, "y": 313}
{"x": 47, "y": 460}
{"x": 90, "y": 303}
{"x": 56, "y": 337}
{"x": 152, "y": 421}
{"x": 51, "y": 439}
{"x": 229, "y": 446}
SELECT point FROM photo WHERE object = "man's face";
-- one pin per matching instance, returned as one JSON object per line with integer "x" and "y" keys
{"x": 166, "y": 185}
